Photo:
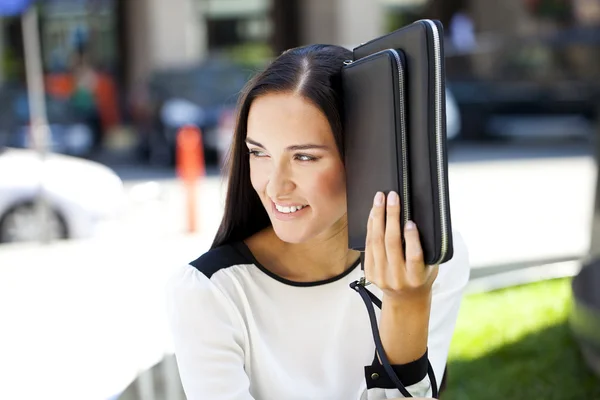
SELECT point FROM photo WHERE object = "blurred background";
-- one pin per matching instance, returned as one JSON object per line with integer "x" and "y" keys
{"x": 100, "y": 201}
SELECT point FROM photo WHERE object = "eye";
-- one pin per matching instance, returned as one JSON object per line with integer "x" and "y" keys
{"x": 305, "y": 157}
{"x": 257, "y": 153}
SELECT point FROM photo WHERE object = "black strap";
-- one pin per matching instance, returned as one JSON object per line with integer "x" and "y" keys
{"x": 370, "y": 299}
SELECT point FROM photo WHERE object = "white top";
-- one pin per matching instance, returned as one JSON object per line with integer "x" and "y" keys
{"x": 240, "y": 332}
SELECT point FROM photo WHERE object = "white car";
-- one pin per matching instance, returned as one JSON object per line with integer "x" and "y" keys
{"x": 80, "y": 195}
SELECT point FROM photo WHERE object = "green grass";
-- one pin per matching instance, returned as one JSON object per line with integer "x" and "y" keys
{"x": 515, "y": 344}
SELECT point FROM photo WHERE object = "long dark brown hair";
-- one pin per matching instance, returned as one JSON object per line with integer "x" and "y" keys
{"x": 313, "y": 72}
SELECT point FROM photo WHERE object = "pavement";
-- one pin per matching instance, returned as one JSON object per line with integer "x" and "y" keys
{"x": 87, "y": 316}
{"x": 514, "y": 204}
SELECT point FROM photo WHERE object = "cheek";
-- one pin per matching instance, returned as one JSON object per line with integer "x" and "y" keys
{"x": 258, "y": 178}
{"x": 260, "y": 172}
{"x": 330, "y": 185}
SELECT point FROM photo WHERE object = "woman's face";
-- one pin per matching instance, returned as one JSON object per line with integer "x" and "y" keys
{"x": 295, "y": 167}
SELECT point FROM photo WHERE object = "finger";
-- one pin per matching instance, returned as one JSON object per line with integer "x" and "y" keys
{"x": 414, "y": 251}
{"x": 378, "y": 231}
{"x": 393, "y": 233}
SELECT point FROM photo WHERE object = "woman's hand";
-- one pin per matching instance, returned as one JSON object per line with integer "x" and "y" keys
{"x": 401, "y": 277}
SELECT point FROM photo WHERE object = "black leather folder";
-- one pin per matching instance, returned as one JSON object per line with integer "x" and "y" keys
{"x": 395, "y": 134}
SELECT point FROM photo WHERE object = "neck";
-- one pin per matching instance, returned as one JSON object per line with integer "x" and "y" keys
{"x": 318, "y": 259}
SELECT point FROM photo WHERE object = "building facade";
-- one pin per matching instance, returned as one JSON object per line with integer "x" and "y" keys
{"x": 128, "y": 40}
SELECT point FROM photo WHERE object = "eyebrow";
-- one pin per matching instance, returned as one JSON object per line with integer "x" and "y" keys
{"x": 307, "y": 146}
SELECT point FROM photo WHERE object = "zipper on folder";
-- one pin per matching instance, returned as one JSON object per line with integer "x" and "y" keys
{"x": 403, "y": 144}
{"x": 439, "y": 143}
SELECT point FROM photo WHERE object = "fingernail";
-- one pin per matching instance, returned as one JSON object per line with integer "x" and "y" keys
{"x": 378, "y": 199}
{"x": 410, "y": 226}
{"x": 393, "y": 198}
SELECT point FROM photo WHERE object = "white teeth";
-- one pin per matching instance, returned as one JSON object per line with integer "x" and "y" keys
{"x": 288, "y": 210}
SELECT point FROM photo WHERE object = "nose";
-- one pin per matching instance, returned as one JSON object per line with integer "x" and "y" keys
{"x": 281, "y": 182}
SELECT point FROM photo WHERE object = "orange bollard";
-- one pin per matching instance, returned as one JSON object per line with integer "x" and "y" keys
{"x": 190, "y": 167}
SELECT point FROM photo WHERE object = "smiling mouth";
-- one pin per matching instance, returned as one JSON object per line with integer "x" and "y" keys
{"x": 287, "y": 210}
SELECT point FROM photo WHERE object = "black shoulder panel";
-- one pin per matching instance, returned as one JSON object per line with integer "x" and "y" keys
{"x": 219, "y": 258}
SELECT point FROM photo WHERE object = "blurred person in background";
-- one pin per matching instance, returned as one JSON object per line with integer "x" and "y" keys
{"x": 83, "y": 97}
{"x": 462, "y": 31}
{"x": 267, "y": 312}
{"x": 463, "y": 40}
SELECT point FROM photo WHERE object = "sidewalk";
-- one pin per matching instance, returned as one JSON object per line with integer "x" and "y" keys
{"x": 509, "y": 213}
{"x": 82, "y": 319}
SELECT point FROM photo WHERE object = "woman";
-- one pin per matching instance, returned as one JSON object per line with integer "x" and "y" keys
{"x": 267, "y": 313}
